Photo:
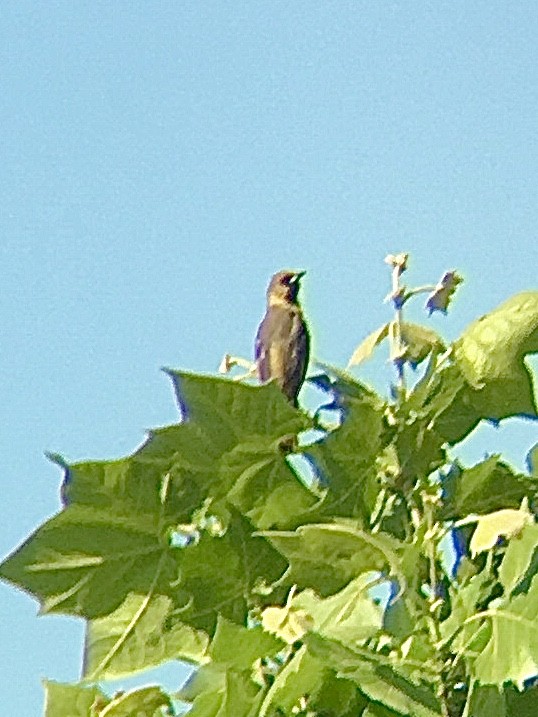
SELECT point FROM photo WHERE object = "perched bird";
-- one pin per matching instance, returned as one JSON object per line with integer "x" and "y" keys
{"x": 283, "y": 342}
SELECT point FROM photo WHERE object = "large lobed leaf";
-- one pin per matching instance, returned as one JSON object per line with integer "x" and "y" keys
{"x": 110, "y": 556}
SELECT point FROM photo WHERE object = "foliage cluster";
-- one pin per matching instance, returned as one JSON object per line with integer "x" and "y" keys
{"x": 303, "y": 563}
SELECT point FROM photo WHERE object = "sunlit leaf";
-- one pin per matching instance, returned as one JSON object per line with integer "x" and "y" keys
{"x": 303, "y": 675}
{"x": 349, "y": 615}
{"x": 519, "y": 557}
{"x": 73, "y": 700}
{"x": 491, "y": 353}
{"x": 419, "y": 341}
{"x": 147, "y": 701}
{"x": 143, "y": 632}
{"x": 365, "y": 349}
{"x": 504, "y": 523}
{"x": 511, "y": 650}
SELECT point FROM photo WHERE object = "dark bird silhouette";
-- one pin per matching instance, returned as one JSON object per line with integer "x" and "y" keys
{"x": 283, "y": 342}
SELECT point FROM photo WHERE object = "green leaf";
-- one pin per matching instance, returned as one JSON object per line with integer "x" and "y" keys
{"x": 522, "y": 704}
{"x": 147, "y": 701}
{"x": 487, "y": 486}
{"x": 338, "y": 698}
{"x": 346, "y": 458}
{"x": 510, "y": 652}
{"x": 73, "y": 700}
{"x": 419, "y": 341}
{"x": 302, "y": 676}
{"x": 487, "y": 701}
{"x": 491, "y": 353}
{"x": 241, "y": 438}
{"x": 84, "y": 561}
{"x": 505, "y": 523}
{"x": 143, "y": 632}
{"x": 379, "y": 682}
{"x": 366, "y": 348}
{"x": 377, "y": 710}
{"x": 463, "y": 601}
{"x": 233, "y": 409}
{"x": 218, "y": 574}
{"x": 327, "y": 556}
{"x": 238, "y": 647}
{"x": 232, "y": 445}
{"x": 217, "y": 692}
{"x": 445, "y": 398}
{"x": 349, "y": 615}
{"x": 518, "y": 557}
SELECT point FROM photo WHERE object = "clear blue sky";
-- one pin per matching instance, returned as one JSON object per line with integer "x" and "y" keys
{"x": 159, "y": 160}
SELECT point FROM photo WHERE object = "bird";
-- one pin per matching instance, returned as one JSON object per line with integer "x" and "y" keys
{"x": 282, "y": 344}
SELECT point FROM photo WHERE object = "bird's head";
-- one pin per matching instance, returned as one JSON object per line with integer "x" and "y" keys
{"x": 284, "y": 287}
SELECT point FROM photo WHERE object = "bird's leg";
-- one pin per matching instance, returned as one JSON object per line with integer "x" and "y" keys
{"x": 228, "y": 362}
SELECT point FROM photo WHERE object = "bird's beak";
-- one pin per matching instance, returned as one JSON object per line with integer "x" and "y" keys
{"x": 299, "y": 275}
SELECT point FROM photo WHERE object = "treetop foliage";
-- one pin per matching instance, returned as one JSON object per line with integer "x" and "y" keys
{"x": 364, "y": 571}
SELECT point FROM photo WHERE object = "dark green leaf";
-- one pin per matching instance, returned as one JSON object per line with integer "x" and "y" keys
{"x": 84, "y": 561}
{"x": 327, "y": 556}
{"x": 487, "y": 701}
{"x": 346, "y": 459}
{"x": 487, "y": 486}
{"x": 379, "y": 682}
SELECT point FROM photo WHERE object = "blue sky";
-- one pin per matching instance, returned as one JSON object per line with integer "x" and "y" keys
{"x": 160, "y": 160}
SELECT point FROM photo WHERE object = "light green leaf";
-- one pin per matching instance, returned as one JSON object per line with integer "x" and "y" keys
{"x": 419, "y": 341}
{"x": 365, "y": 349}
{"x": 350, "y": 615}
{"x": 73, "y": 700}
{"x": 491, "y": 353}
{"x": 302, "y": 676}
{"x": 84, "y": 561}
{"x": 143, "y": 632}
{"x": 217, "y": 692}
{"x": 239, "y": 647}
{"x": 510, "y": 652}
{"x": 147, "y": 701}
{"x": 502, "y": 523}
{"x": 289, "y": 623}
{"x": 518, "y": 557}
